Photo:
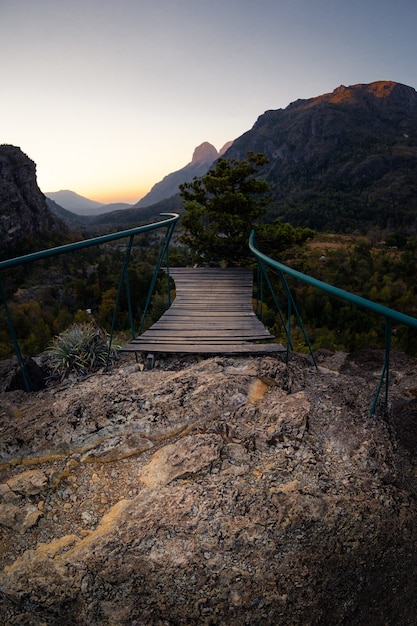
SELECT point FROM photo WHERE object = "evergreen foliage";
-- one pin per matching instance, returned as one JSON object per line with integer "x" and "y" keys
{"x": 374, "y": 271}
{"x": 45, "y": 298}
{"x": 221, "y": 208}
{"x": 279, "y": 238}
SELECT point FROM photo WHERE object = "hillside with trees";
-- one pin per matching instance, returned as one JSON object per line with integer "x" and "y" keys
{"x": 339, "y": 162}
{"x": 342, "y": 161}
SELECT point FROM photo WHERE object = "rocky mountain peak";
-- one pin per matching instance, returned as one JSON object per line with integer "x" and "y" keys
{"x": 379, "y": 93}
{"x": 203, "y": 157}
{"x": 226, "y": 146}
{"x": 204, "y": 153}
{"x": 379, "y": 89}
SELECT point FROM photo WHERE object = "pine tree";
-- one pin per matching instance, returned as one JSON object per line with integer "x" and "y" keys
{"x": 221, "y": 208}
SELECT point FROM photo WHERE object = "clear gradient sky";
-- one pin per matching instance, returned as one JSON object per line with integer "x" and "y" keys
{"x": 109, "y": 96}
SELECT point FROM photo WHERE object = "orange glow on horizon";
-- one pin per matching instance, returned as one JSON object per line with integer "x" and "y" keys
{"x": 128, "y": 196}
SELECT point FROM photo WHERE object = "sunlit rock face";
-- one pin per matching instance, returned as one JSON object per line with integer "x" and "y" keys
{"x": 24, "y": 215}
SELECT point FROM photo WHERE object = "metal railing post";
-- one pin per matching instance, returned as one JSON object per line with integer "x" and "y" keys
{"x": 385, "y": 369}
{"x": 10, "y": 325}
{"x": 390, "y": 315}
{"x": 265, "y": 275}
{"x": 122, "y": 279}
{"x": 162, "y": 252}
{"x": 169, "y": 223}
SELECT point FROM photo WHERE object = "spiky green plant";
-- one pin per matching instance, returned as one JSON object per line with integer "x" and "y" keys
{"x": 81, "y": 349}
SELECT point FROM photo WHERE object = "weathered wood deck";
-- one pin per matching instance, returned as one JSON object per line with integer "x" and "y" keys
{"x": 212, "y": 313}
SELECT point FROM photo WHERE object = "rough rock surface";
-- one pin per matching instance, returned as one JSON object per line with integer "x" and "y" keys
{"x": 24, "y": 214}
{"x": 212, "y": 491}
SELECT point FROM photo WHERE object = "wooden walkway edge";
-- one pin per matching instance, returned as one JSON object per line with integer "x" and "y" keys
{"x": 212, "y": 314}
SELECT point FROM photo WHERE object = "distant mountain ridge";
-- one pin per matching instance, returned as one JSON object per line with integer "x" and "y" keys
{"x": 204, "y": 156}
{"x": 80, "y": 205}
{"x": 74, "y": 202}
{"x": 73, "y": 220}
{"x": 77, "y": 210}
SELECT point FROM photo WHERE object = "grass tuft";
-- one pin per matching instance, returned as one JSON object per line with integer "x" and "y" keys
{"x": 81, "y": 349}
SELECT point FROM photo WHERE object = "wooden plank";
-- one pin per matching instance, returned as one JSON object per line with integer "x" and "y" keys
{"x": 211, "y": 327}
{"x": 233, "y": 348}
{"x": 204, "y": 328}
{"x": 224, "y": 322}
{"x": 200, "y": 314}
{"x": 211, "y": 313}
{"x": 202, "y": 332}
{"x": 206, "y": 331}
{"x": 218, "y": 336}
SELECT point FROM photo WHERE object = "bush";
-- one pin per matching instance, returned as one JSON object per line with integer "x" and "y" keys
{"x": 81, "y": 349}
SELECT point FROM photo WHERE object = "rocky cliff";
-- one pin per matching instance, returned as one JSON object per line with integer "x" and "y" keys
{"x": 212, "y": 491}
{"x": 24, "y": 215}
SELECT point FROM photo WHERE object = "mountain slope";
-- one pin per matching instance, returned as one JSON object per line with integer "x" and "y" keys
{"x": 69, "y": 217}
{"x": 203, "y": 157}
{"x": 343, "y": 160}
{"x": 138, "y": 215}
{"x": 164, "y": 196}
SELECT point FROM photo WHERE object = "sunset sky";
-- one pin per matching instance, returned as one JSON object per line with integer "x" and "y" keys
{"x": 109, "y": 96}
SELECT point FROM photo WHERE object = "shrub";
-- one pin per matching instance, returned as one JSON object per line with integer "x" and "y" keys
{"x": 81, "y": 349}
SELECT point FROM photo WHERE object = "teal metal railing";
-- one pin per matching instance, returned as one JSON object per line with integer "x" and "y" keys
{"x": 390, "y": 315}
{"x": 168, "y": 224}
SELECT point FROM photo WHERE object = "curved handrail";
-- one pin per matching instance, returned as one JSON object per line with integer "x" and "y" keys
{"x": 390, "y": 315}
{"x": 85, "y": 243}
{"x": 379, "y": 309}
{"x": 169, "y": 223}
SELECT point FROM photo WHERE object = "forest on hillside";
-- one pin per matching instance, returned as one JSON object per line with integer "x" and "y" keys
{"x": 377, "y": 270}
{"x": 50, "y": 295}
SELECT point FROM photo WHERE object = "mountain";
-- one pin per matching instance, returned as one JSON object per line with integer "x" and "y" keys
{"x": 342, "y": 161}
{"x": 162, "y": 197}
{"x": 150, "y": 207}
{"x": 71, "y": 219}
{"x": 71, "y": 201}
{"x": 25, "y": 217}
{"x": 203, "y": 157}
{"x": 114, "y": 206}
{"x": 138, "y": 215}
{"x": 74, "y": 202}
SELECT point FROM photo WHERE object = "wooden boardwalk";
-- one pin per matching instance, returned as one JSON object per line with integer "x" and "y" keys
{"x": 212, "y": 314}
